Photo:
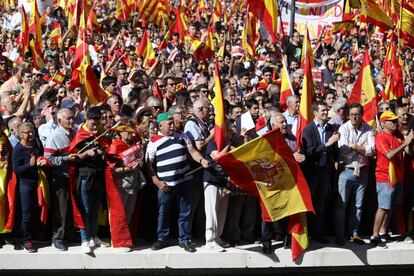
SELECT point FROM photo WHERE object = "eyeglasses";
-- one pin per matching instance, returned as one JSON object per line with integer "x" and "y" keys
{"x": 341, "y": 80}
{"x": 182, "y": 113}
{"x": 157, "y": 107}
{"x": 405, "y": 104}
{"x": 171, "y": 84}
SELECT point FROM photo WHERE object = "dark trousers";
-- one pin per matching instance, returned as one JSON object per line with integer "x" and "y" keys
{"x": 269, "y": 228}
{"x": 60, "y": 199}
{"x": 28, "y": 197}
{"x": 182, "y": 194}
{"x": 319, "y": 183}
{"x": 241, "y": 217}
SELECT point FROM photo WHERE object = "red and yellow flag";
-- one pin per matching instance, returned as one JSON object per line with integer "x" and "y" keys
{"x": 24, "y": 34}
{"x": 395, "y": 84}
{"x": 59, "y": 77}
{"x": 204, "y": 49}
{"x": 56, "y": 33}
{"x": 167, "y": 36}
{"x": 265, "y": 167}
{"x": 364, "y": 91}
{"x": 35, "y": 26}
{"x": 343, "y": 25}
{"x": 267, "y": 12}
{"x": 43, "y": 195}
{"x": 406, "y": 25}
{"x": 372, "y": 13}
{"x": 307, "y": 48}
{"x": 37, "y": 56}
{"x": 305, "y": 110}
{"x": 220, "y": 116}
{"x": 156, "y": 11}
{"x": 342, "y": 66}
{"x": 122, "y": 11}
{"x": 286, "y": 89}
{"x": 249, "y": 33}
{"x": 146, "y": 51}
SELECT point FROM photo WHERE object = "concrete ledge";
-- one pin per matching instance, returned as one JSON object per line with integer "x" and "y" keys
{"x": 248, "y": 256}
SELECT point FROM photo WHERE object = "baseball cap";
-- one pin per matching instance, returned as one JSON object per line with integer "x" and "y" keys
{"x": 388, "y": 116}
{"x": 165, "y": 116}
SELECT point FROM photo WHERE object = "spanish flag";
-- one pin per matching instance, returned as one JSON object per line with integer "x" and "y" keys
{"x": 265, "y": 167}
{"x": 36, "y": 52}
{"x": 164, "y": 43}
{"x": 249, "y": 33}
{"x": 204, "y": 49}
{"x": 35, "y": 27}
{"x": 343, "y": 25}
{"x": 307, "y": 48}
{"x": 220, "y": 116}
{"x": 286, "y": 89}
{"x": 43, "y": 195}
{"x": 364, "y": 91}
{"x": 156, "y": 11}
{"x": 24, "y": 34}
{"x": 56, "y": 34}
{"x": 372, "y": 13}
{"x": 146, "y": 51}
{"x": 342, "y": 66}
{"x": 59, "y": 77}
{"x": 305, "y": 111}
{"x": 8, "y": 185}
{"x": 122, "y": 11}
{"x": 407, "y": 24}
{"x": 267, "y": 12}
{"x": 395, "y": 84}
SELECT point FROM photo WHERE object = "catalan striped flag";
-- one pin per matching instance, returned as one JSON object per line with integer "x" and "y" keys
{"x": 265, "y": 167}
{"x": 372, "y": 13}
{"x": 305, "y": 111}
{"x": 156, "y": 11}
{"x": 286, "y": 89}
{"x": 364, "y": 91}
{"x": 267, "y": 12}
{"x": 146, "y": 51}
{"x": 122, "y": 11}
{"x": 220, "y": 132}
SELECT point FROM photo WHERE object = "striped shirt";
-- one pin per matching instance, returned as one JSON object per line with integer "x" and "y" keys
{"x": 170, "y": 156}
{"x": 57, "y": 150}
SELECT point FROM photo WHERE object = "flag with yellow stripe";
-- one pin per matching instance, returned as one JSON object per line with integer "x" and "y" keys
{"x": 372, "y": 13}
{"x": 220, "y": 116}
{"x": 265, "y": 167}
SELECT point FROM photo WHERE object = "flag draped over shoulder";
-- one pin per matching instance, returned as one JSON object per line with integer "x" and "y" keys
{"x": 286, "y": 89}
{"x": 265, "y": 167}
{"x": 372, "y": 13}
{"x": 220, "y": 116}
{"x": 267, "y": 12}
{"x": 364, "y": 91}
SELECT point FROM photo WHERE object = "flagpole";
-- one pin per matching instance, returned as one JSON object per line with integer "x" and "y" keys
{"x": 292, "y": 18}
{"x": 100, "y": 135}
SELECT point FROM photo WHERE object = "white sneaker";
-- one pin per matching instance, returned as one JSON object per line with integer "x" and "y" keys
{"x": 213, "y": 246}
{"x": 85, "y": 248}
{"x": 123, "y": 249}
{"x": 96, "y": 242}
{"x": 408, "y": 239}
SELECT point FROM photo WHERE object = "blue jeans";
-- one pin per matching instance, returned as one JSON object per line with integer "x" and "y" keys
{"x": 182, "y": 194}
{"x": 346, "y": 183}
{"x": 90, "y": 199}
{"x": 28, "y": 197}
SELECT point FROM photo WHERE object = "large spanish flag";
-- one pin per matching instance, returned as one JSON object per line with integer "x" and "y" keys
{"x": 267, "y": 12}
{"x": 122, "y": 10}
{"x": 35, "y": 26}
{"x": 286, "y": 89}
{"x": 372, "y": 13}
{"x": 395, "y": 84}
{"x": 220, "y": 116}
{"x": 364, "y": 91}
{"x": 265, "y": 167}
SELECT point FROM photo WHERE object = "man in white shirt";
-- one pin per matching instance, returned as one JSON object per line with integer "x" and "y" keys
{"x": 356, "y": 143}
{"x": 291, "y": 114}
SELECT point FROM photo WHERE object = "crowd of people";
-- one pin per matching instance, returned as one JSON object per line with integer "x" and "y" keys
{"x": 128, "y": 164}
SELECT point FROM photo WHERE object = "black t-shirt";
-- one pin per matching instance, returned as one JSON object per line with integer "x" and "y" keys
{"x": 208, "y": 175}
{"x": 293, "y": 52}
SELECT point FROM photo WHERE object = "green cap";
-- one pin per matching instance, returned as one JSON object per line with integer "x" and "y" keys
{"x": 165, "y": 116}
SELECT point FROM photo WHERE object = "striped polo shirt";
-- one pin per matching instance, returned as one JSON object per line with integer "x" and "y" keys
{"x": 170, "y": 156}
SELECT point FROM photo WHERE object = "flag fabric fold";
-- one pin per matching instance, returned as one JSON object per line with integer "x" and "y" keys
{"x": 265, "y": 167}
{"x": 220, "y": 116}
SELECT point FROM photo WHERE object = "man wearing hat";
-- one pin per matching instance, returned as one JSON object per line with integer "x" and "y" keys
{"x": 168, "y": 163}
{"x": 389, "y": 174}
